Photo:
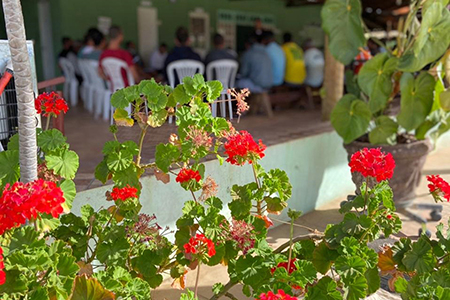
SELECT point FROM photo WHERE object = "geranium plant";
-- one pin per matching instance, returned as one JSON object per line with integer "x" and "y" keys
{"x": 117, "y": 252}
{"x": 413, "y": 69}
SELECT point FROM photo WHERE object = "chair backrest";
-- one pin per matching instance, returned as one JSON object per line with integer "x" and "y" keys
{"x": 183, "y": 68}
{"x": 84, "y": 72}
{"x": 91, "y": 67}
{"x": 223, "y": 70}
{"x": 113, "y": 69}
{"x": 67, "y": 68}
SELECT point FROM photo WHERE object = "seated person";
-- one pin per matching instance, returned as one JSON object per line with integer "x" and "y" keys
{"x": 256, "y": 69}
{"x": 158, "y": 58}
{"x": 182, "y": 49}
{"x": 114, "y": 50}
{"x": 219, "y": 51}
{"x": 277, "y": 57}
{"x": 95, "y": 43}
{"x": 315, "y": 64}
{"x": 131, "y": 48}
{"x": 295, "y": 65}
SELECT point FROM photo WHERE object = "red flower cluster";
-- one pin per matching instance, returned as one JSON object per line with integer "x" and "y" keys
{"x": 280, "y": 295}
{"x": 124, "y": 193}
{"x": 50, "y": 104}
{"x": 200, "y": 243}
{"x": 290, "y": 267}
{"x": 439, "y": 188}
{"x": 23, "y": 201}
{"x": 242, "y": 148}
{"x": 373, "y": 163}
{"x": 242, "y": 233}
{"x": 187, "y": 175}
{"x": 2, "y": 266}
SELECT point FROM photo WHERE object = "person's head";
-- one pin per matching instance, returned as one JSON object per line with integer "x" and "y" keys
{"x": 97, "y": 38}
{"x": 218, "y": 41}
{"x": 163, "y": 48}
{"x": 115, "y": 34}
{"x": 258, "y": 23}
{"x": 308, "y": 44}
{"x": 287, "y": 37}
{"x": 267, "y": 37}
{"x": 66, "y": 42}
{"x": 182, "y": 37}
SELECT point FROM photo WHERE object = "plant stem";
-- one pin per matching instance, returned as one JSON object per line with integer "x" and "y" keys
{"x": 197, "y": 278}
{"x": 193, "y": 195}
{"x": 100, "y": 240}
{"x": 298, "y": 239}
{"x": 295, "y": 225}
{"x": 47, "y": 124}
{"x": 225, "y": 290}
{"x": 291, "y": 235}
{"x": 258, "y": 203}
{"x": 231, "y": 296}
{"x": 141, "y": 142}
{"x": 366, "y": 195}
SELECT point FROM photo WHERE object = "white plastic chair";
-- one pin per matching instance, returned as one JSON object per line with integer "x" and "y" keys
{"x": 71, "y": 84}
{"x": 100, "y": 94}
{"x": 86, "y": 88}
{"x": 112, "y": 67}
{"x": 183, "y": 68}
{"x": 225, "y": 71}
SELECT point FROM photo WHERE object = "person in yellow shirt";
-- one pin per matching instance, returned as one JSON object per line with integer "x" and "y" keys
{"x": 295, "y": 72}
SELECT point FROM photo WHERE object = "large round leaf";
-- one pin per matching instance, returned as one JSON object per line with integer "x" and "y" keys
{"x": 432, "y": 39}
{"x": 341, "y": 20}
{"x": 64, "y": 163}
{"x": 350, "y": 118}
{"x": 384, "y": 132}
{"x": 50, "y": 140}
{"x": 89, "y": 289}
{"x": 375, "y": 80}
{"x": 416, "y": 99}
{"x": 10, "y": 169}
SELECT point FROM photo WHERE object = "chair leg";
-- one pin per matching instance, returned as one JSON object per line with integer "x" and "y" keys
{"x": 230, "y": 107}
{"x": 265, "y": 101}
{"x": 223, "y": 110}
{"x": 74, "y": 93}
{"x": 106, "y": 105}
{"x": 214, "y": 109}
{"x": 66, "y": 92}
{"x": 309, "y": 95}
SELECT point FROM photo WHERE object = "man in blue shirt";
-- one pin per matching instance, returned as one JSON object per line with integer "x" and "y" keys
{"x": 256, "y": 69}
{"x": 277, "y": 57}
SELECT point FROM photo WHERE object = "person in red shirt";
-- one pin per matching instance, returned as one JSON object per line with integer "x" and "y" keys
{"x": 113, "y": 50}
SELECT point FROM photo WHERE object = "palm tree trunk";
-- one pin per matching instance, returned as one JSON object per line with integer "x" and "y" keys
{"x": 333, "y": 82}
{"x": 24, "y": 88}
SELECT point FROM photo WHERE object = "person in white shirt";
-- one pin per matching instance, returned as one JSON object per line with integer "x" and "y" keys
{"x": 315, "y": 64}
{"x": 158, "y": 58}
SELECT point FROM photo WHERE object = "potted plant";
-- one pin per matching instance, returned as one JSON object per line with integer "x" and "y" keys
{"x": 368, "y": 117}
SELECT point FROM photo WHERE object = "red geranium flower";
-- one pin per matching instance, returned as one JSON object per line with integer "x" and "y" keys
{"x": 241, "y": 148}
{"x": 290, "y": 267}
{"x": 187, "y": 175}
{"x": 373, "y": 163}
{"x": 23, "y": 201}
{"x": 280, "y": 295}
{"x": 50, "y": 104}
{"x": 124, "y": 193}
{"x": 439, "y": 188}
{"x": 198, "y": 244}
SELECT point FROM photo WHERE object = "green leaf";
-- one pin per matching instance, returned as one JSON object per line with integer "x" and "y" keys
{"x": 305, "y": 273}
{"x": 67, "y": 266}
{"x": 341, "y": 20}
{"x": 13, "y": 143}
{"x": 10, "y": 169}
{"x": 16, "y": 283}
{"x": 350, "y": 267}
{"x": 89, "y": 289}
{"x": 153, "y": 92}
{"x": 432, "y": 39}
{"x": 251, "y": 270}
{"x": 24, "y": 237}
{"x": 214, "y": 90}
{"x": 70, "y": 191}
{"x": 373, "y": 280}
{"x": 350, "y": 117}
{"x": 356, "y": 288}
{"x": 420, "y": 258}
{"x": 121, "y": 117}
{"x": 375, "y": 80}
{"x": 102, "y": 171}
{"x": 416, "y": 99}
{"x": 384, "y": 132}
{"x": 401, "y": 285}
{"x": 325, "y": 289}
{"x": 157, "y": 118}
{"x": 50, "y": 140}
{"x": 113, "y": 252}
{"x": 129, "y": 176}
{"x": 444, "y": 100}
{"x": 351, "y": 83}
{"x": 180, "y": 95}
{"x": 64, "y": 163}
{"x": 124, "y": 97}
{"x": 276, "y": 182}
{"x": 242, "y": 200}
{"x": 121, "y": 160}
{"x": 323, "y": 257}
{"x": 165, "y": 155}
